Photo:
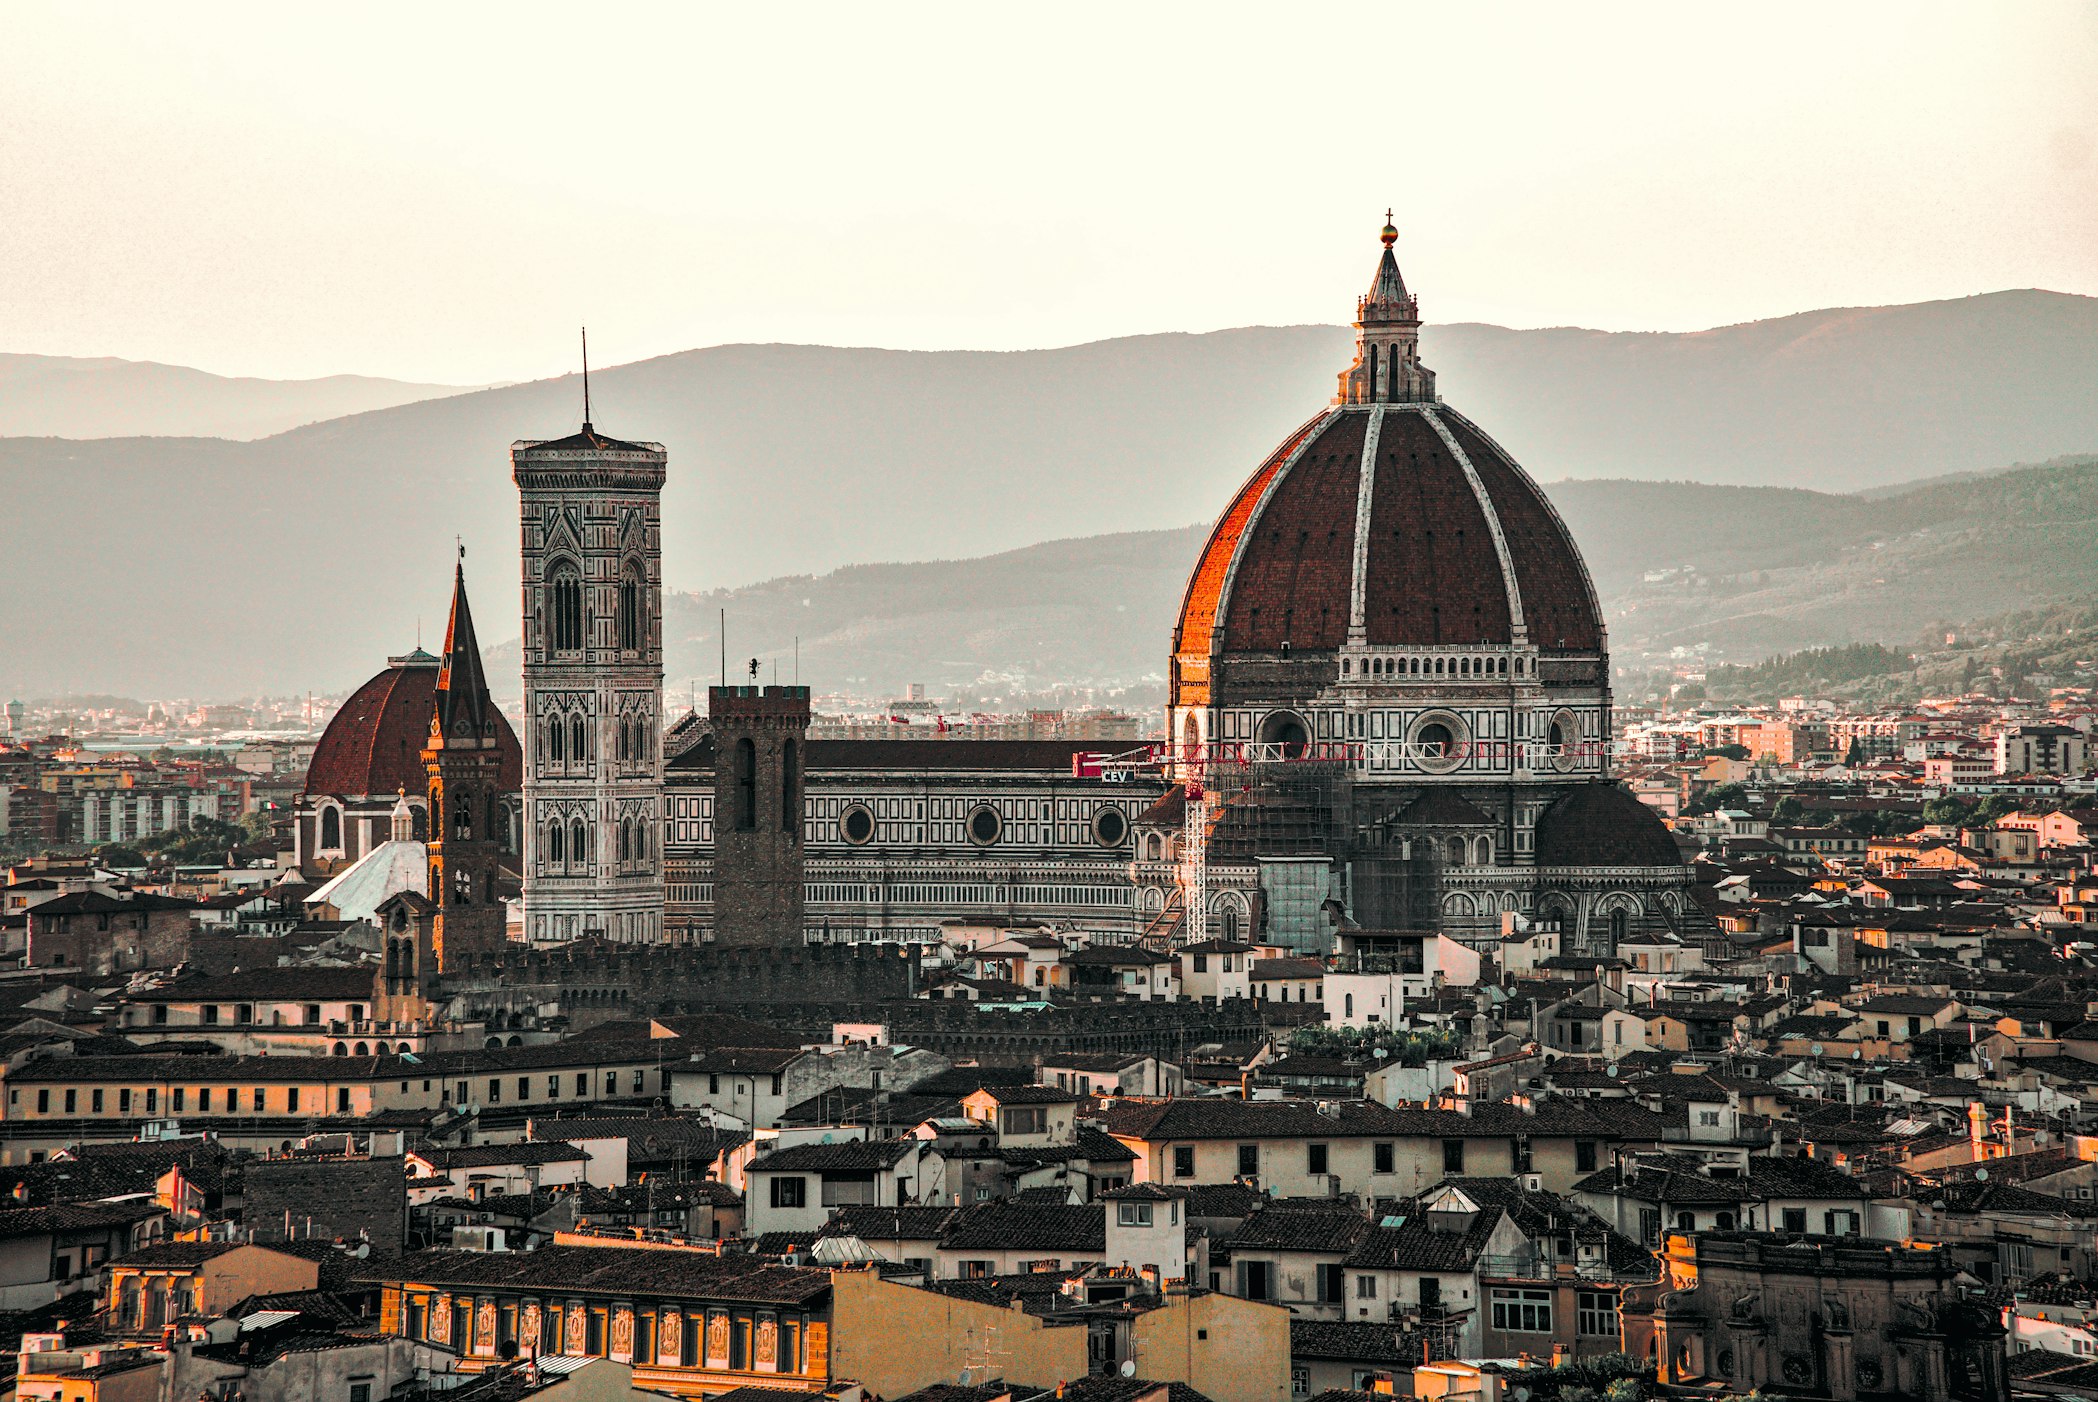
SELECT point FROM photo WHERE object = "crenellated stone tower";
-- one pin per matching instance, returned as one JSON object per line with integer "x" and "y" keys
{"x": 593, "y": 675}
{"x": 760, "y": 742}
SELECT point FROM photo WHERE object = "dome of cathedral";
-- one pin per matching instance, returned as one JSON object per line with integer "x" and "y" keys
{"x": 1602, "y": 825}
{"x": 1388, "y": 521}
{"x": 374, "y": 744}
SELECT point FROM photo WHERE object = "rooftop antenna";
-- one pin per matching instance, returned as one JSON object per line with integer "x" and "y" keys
{"x": 586, "y": 379}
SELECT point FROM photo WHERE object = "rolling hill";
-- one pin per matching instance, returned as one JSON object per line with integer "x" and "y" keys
{"x": 1747, "y": 570}
{"x": 59, "y": 396}
{"x": 190, "y": 566}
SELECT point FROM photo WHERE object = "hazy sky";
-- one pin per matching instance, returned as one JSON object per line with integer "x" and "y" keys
{"x": 443, "y": 192}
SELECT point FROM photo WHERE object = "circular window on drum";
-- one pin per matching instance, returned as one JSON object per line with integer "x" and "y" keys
{"x": 1110, "y": 827}
{"x": 857, "y": 824}
{"x": 1561, "y": 737}
{"x": 1438, "y": 741}
{"x": 985, "y": 826}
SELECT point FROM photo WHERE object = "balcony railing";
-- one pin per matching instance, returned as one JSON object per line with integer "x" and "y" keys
{"x": 1524, "y": 1267}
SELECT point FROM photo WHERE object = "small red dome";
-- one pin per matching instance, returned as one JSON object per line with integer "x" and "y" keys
{"x": 373, "y": 745}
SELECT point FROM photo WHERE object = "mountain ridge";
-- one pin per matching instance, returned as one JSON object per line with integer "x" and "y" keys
{"x": 306, "y": 555}
{"x": 102, "y": 397}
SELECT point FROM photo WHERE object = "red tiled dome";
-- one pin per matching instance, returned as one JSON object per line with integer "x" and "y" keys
{"x": 1444, "y": 503}
{"x": 374, "y": 744}
{"x": 1447, "y": 544}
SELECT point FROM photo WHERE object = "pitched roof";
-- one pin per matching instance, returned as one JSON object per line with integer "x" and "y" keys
{"x": 1015, "y": 1226}
{"x": 612, "y": 1270}
{"x": 1302, "y": 1226}
{"x": 851, "y": 1156}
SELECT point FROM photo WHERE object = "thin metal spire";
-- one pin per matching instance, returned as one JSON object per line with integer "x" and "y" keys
{"x": 586, "y": 379}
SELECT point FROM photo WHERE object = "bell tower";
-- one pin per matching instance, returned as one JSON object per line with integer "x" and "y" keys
{"x": 593, "y": 675}
{"x": 463, "y": 758}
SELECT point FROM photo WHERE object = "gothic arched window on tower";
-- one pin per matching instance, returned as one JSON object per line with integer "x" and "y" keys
{"x": 578, "y": 740}
{"x": 556, "y": 843}
{"x": 578, "y": 844}
{"x": 1620, "y": 925}
{"x": 630, "y": 609}
{"x": 626, "y": 840}
{"x": 565, "y": 601}
{"x": 789, "y": 794}
{"x": 554, "y": 741}
{"x": 462, "y": 817}
{"x": 746, "y": 786}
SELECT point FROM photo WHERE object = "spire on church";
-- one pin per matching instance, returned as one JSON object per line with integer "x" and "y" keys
{"x": 465, "y": 711}
{"x": 1387, "y": 368}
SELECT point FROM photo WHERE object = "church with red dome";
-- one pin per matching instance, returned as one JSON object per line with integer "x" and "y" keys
{"x": 1388, "y": 708}
{"x": 1390, "y": 655}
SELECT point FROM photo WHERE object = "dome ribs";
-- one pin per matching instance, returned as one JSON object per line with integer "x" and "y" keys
{"x": 1558, "y": 599}
{"x": 1433, "y": 574}
{"x": 1195, "y": 630}
{"x": 1295, "y": 572}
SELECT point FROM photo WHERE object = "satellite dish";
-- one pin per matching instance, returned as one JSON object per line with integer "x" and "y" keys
{"x": 1816, "y": 1049}
{"x": 1981, "y": 1175}
{"x": 1611, "y": 1070}
{"x": 1857, "y": 1053}
{"x": 1128, "y": 1369}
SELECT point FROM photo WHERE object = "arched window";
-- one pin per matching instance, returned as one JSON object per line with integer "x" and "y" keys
{"x": 565, "y": 602}
{"x": 1620, "y": 924}
{"x": 556, "y": 843}
{"x": 462, "y": 887}
{"x": 554, "y": 736}
{"x": 623, "y": 733}
{"x": 1373, "y": 373}
{"x": 578, "y": 740}
{"x": 1482, "y": 852}
{"x": 789, "y": 793}
{"x": 626, "y": 839}
{"x": 1457, "y": 854}
{"x": 630, "y": 609}
{"x": 462, "y": 816}
{"x": 578, "y": 844}
{"x": 331, "y": 829}
{"x": 746, "y": 786}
